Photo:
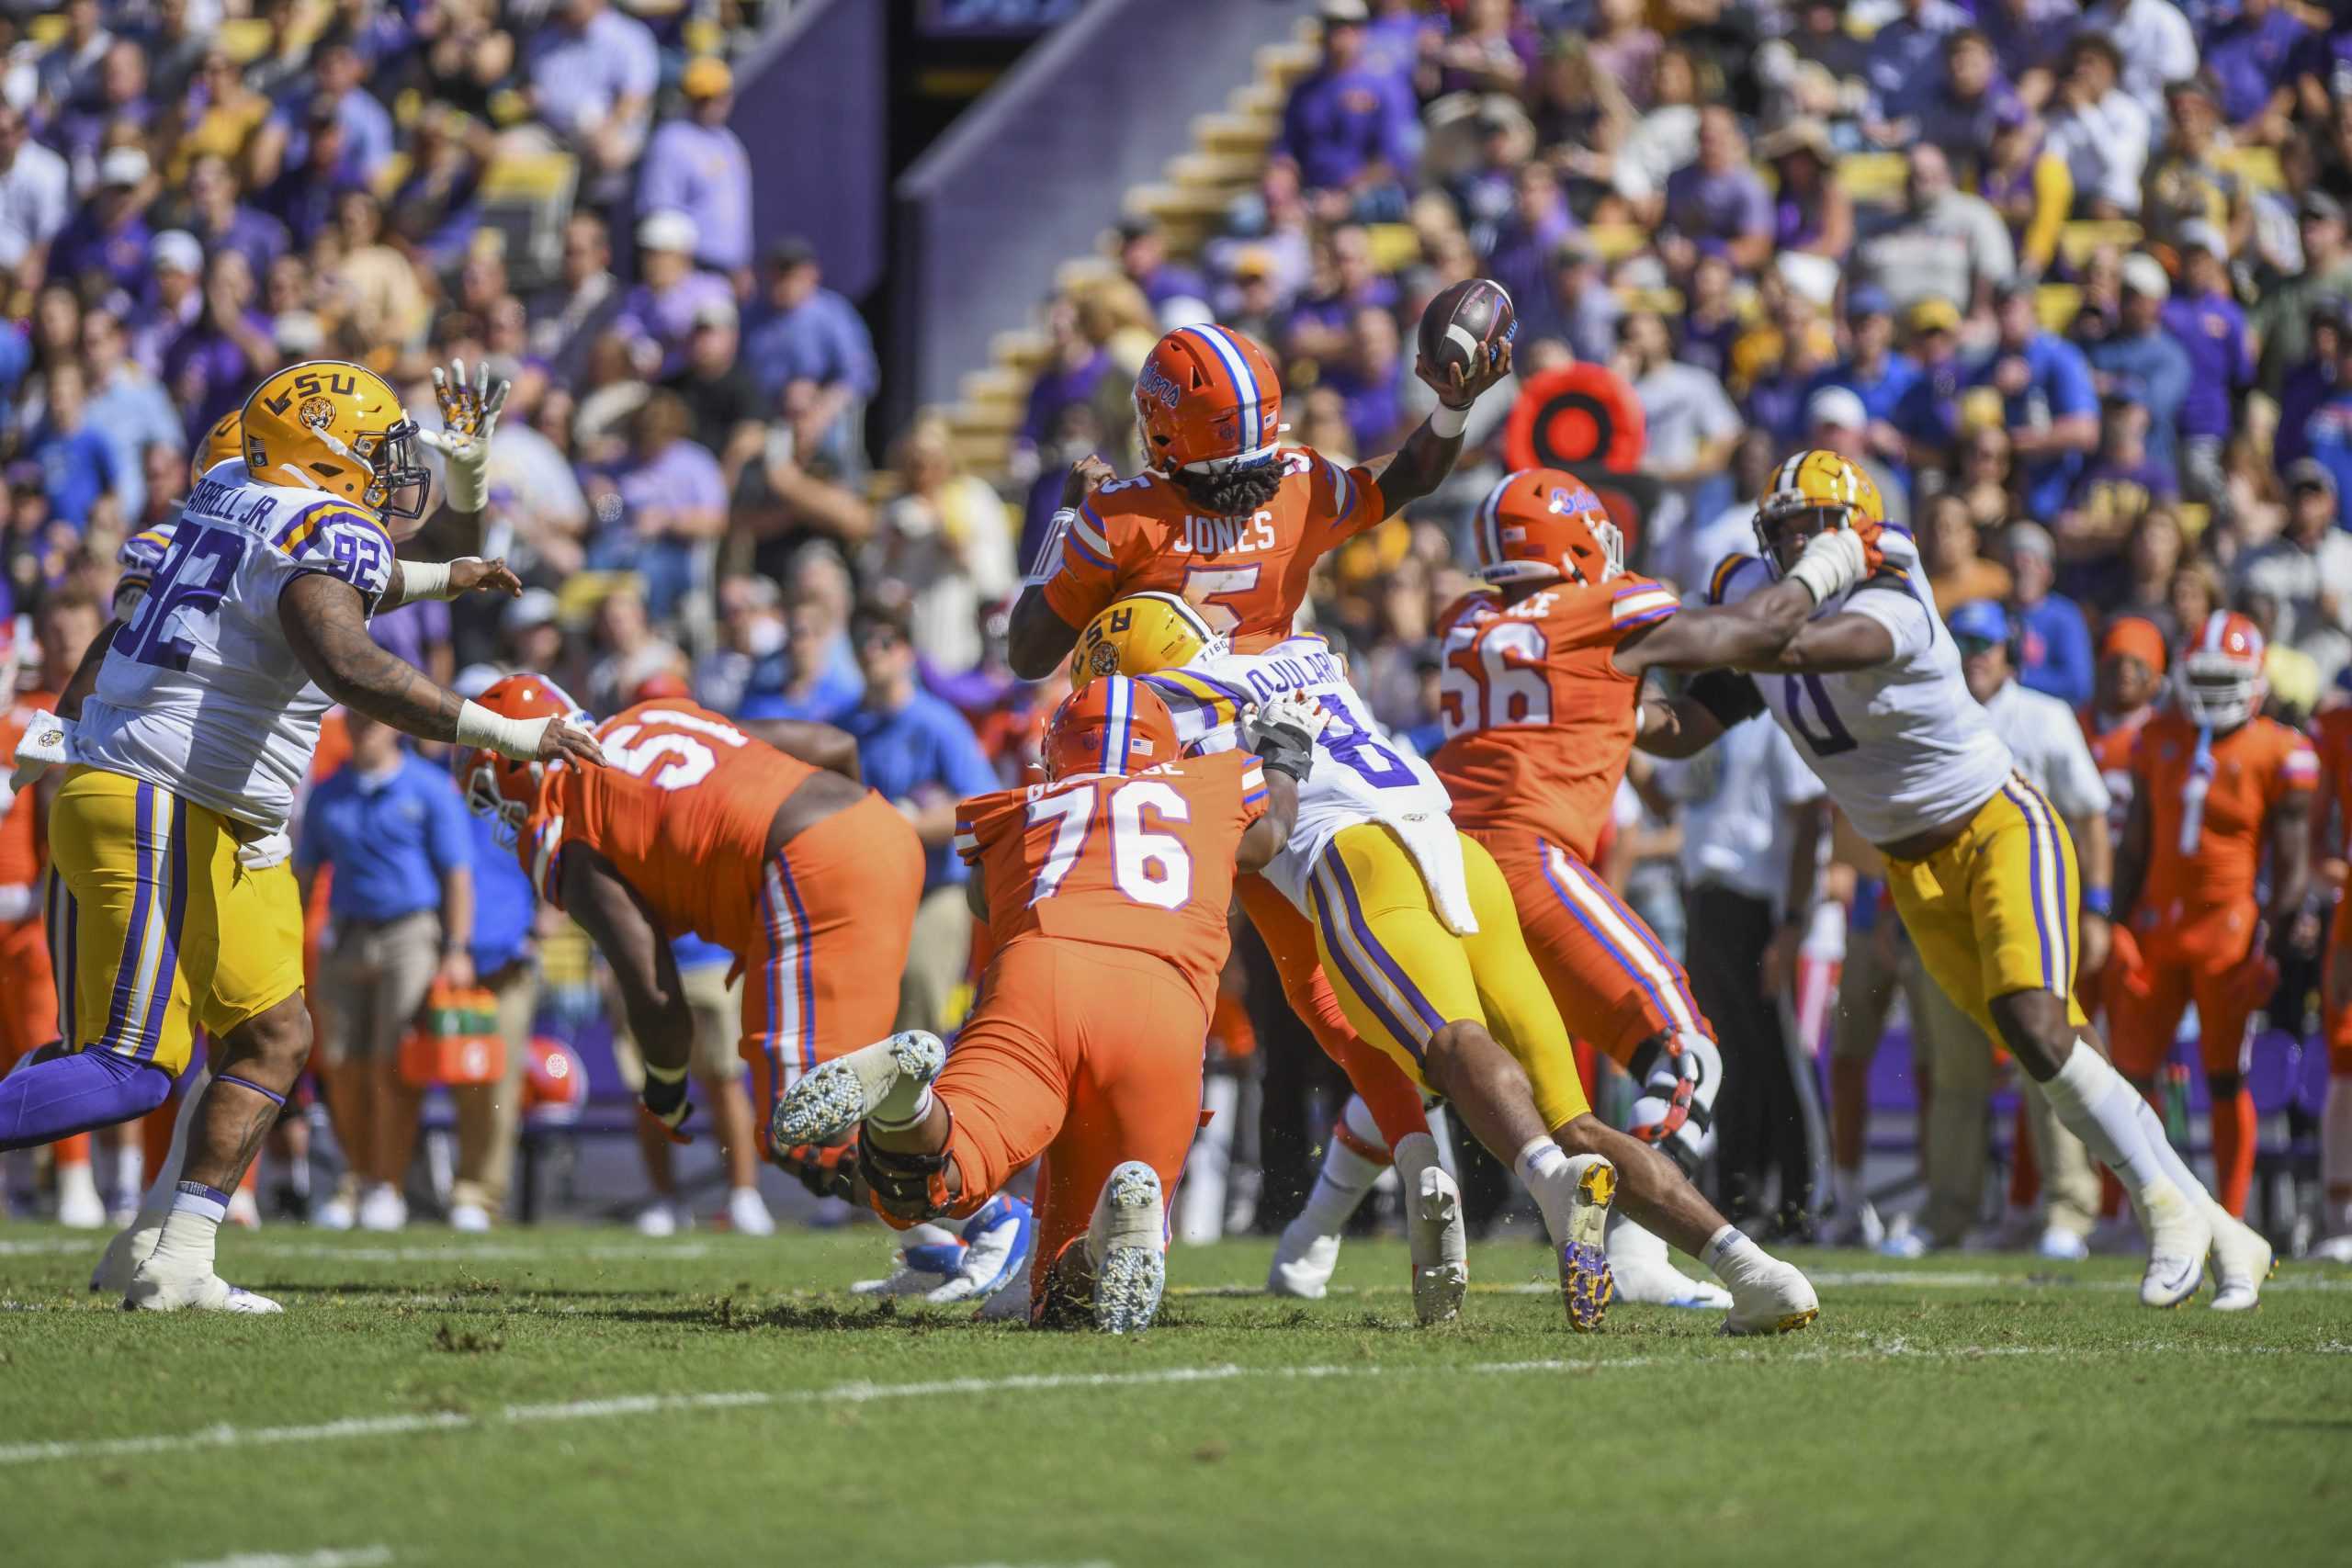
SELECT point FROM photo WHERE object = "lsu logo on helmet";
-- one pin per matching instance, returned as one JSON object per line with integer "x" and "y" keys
{"x": 1820, "y": 487}
{"x": 328, "y": 424}
{"x": 1140, "y": 634}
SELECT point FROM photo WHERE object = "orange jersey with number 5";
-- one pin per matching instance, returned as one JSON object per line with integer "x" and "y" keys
{"x": 1246, "y": 575}
{"x": 681, "y": 808}
{"x": 2208, "y": 807}
{"x": 1142, "y": 861}
{"x": 1539, "y": 720}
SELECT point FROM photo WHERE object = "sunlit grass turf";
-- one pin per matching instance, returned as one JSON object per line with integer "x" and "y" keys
{"x": 570, "y": 1394}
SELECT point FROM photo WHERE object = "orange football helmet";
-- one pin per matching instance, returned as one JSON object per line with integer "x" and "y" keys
{"x": 1207, "y": 399}
{"x": 223, "y": 441}
{"x": 2221, "y": 684}
{"x": 500, "y": 786}
{"x": 1546, "y": 525}
{"x": 1114, "y": 726}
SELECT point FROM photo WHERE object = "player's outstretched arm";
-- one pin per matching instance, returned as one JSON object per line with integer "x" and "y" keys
{"x": 624, "y": 929}
{"x": 416, "y": 580}
{"x": 325, "y": 627}
{"x": 2132, "y": 858}
{"x": 1419, "y": 467}
{"x": 1270, "y": 835}
{"x": 1841, "y": 642}
{"x": 1686, "y": 726}
{"x": 819, "y": 745}
{"x": 1037, "y": 640}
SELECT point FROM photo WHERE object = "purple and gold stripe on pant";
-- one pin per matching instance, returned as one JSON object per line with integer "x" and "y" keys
{"x": 2047, "y": 884}
{"x": 1368, "y": 968}
{"x": 144, "y": 972}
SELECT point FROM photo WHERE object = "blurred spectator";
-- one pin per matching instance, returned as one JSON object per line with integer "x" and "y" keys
{"x": 366, "y": 144}
{"x": 1716, "y": 202}
{"x": 2306, "y": 572}
{"x": 78, "y": 465}
{"x": 1835, "y": 420}
{"x": 749, "y": 656}
{"x": 1948, "y": 551}
{"x": 629, "y": 651}
{"x": 2190, "y": 182}
{"x": 1350, "y": 129}
{"x": 582, "y": 303}
{"x": 1810, "y": 211}
{"x": 698, "y": 166}
{"x": 1964, "y": 110}
{"x": 591, "y": 74}
{"x": 2247, "y": 54}
{"x": 921, "y": 755}
{"x": 725, "y": 407}
{"x": 1689, "y": 563}
{"x": 127, "y": 406}
{"x": 2054, "y": 640}
{"x": 808, "y": 334}
{"x": 1691, "y": 422}
{"x": 2026, "y": 184}
{"x": 110, "y": 235}
{"x": 1369, "y": 377}
{"x": 658, "y": 315}
{"x": 1905, "y": 66}
{"x": 35, "y": 199}
{"x": 219, "y": 117}
{"x": 1873, "y": 369}
{"x": 1519, "y": 257}
{"x": 391, "y": 828}
{"x": 1944, "y": 244}
{"x": 660, "y": 509}
{"x": 1489, "y": 52}
{"x": 2282, "y": 317}
{"x": 2118, "y": 485}
{"x": 303, "y": 197}
{"x": 2152, "y": 42}
{"x": 2150, "y": 558}
{"x": 221, "y": 222}
{"x": 68, "y": 68}
{"x": 2101, "y": 130}
{"x": 948, "y": 541}
{"x": 2030, "y": 38}
{"x": 2143, "y": 359}
{"x": 2047, "y": 402}
{"x": 1177, "y": 292}
{"x": 2205, "y": 320}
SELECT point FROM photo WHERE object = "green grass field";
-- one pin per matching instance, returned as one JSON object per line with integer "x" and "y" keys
{"x": 571, "y": 1395}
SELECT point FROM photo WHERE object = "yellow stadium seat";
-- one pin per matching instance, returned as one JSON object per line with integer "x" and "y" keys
{"x": 1614, "y": 242}
{"x": 246, "y": 40}
{"x": 1394, "y": 245}
{"x": 2194, "y": 515}
{"x": 1873, "y": 177}
{"x": 2077, "y": 240}
{"x": 2259, "y": 166}
{"x": 530, "y": 177}
{"x": 2057, "y": 304}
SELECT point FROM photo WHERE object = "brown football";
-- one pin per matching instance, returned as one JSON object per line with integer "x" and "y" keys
{"x": 1472, "y": 317}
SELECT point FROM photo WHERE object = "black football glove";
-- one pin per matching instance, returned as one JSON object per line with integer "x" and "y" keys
{"x": 664, "y": 1099}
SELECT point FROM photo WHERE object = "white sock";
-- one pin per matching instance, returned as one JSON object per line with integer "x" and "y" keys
{"x": 2098, "y": 1107}
{"x": 75, "y": 1178}
{"x": 1846, "y": 1189}
{"x": 129, "y": 1166}
{"x": 1340, "y": 1185}
{"x": 2151, "y": 1127}
{"x": 905, "y": 1106}
{"x": 2336, "y": 1157}
{"x": 185, "y": 1246}
{"x": 1544, "y": 1167}
{"x": 1733, "y": 1255}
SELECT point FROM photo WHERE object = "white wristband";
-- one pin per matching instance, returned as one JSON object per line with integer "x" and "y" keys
{"x": 1448, "y": 421}
{"x": 424, "y": 579}
{"x": 515, "y": 737}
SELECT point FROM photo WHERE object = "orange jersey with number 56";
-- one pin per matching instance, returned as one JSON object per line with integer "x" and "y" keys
{"x": 681, "y": 808}
{"x": 1141, "y": 860}
{"x": 1246, "y": 575}
{"x": 1539, "y": 720}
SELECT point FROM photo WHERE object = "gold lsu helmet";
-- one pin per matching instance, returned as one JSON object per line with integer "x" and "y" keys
{"x": 222, "y": 442}
{"x": 1139, "y": 635}
{"x": 328, "y": 424}
{"x": 1819, "y": 486}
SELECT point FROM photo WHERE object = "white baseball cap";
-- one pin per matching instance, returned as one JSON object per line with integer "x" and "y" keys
{"x": 668, "y": 230}
{"x": 1837, "y": 408}
{"x": 123, "y": 166}
{"x": 2144, "y": 275}
{"x": 176, "y": 250}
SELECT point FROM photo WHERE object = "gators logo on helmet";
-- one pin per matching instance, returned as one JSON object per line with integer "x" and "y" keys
{"x": 1207, "y": 399}
{"x": 1543, "y": 524}
{"x": 1115, "y": 725}
{"x": 1140, "y": 634}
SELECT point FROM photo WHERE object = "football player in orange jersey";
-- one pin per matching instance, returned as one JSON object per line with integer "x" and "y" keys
{"x": 2333, "y": 734}
{"x": 757, "y": 836}
{"x": 1539, "y": 698}
{"x": 2214, "y": 783}
{"x": 1105, "y": 889}
{"x": 2130, "y": 680}
{"x": 1232, "y": 522}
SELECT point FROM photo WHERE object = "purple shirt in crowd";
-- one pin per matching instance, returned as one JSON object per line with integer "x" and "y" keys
{"x": 1724, "y": 207}
{"x": 668, "y": 318}
{"x": 257, "y": 236}
{"x": 209, "y": 375}
{"x": 682, "y": 474}
{"x": 703, "y": 171}
{"x": 578, "y": 76}
{"x": 120, "y": 253}
{"x": 1337, "y": 122}
{"x": 823, "y": 340}
{"x": 412, "y": 630}
{"x": 2220, "y": 360}
{"x": 1057, "y": 387}
{"x": 2249, "y": 59}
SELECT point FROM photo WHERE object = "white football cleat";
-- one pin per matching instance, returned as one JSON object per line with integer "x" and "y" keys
{"x": 661, "y": 1219}
{"x": 79, "y": 1207}
{"x": 468, "y": 1219}
{"x": 2241, "y": 1261}
{"x": 2060, "y": 1245}
{"x": 131, "y": 1246}
{"x": 337, "y": 1213}
{"x": 2335, "y": 1249}
{"x": 832, "y": 1098}
{"x": 747, "y": 1212}
{"x": 2179, "y": 1237}
{"x": 153, "y": 1290}
{"x": 1862, "y": 1228}
{"x": 1125, "y": 1244}
{"x": 1587, "y": 1282}
{"x": 1645, "y": 1275}
{"x": 1439, "y": 1246}
{"x": 1776, "y": 1298}
{"x": 245, "y": 1213}
{"x": 382, "y": 1209}
{"x": 1304, "y": 1262}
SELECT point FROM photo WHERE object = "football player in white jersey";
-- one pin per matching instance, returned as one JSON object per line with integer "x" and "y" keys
{"x": 1981, "y": 867}
{"x": 168, "y": 832}
{"x": 1417, "y": 935}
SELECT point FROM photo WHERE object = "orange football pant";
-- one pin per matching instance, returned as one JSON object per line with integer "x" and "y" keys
{"x": 837, "y": 912}
{"x": 1613, "y": 981}
{"x": 1090, "y": 1055}
{"x": 2198, "y": 957}
{"x": 28, "y": 1011}
{"x": 1289, "y": 936}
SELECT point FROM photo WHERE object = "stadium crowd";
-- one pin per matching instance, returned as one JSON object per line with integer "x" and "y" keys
{"x": 2072, "y": 283}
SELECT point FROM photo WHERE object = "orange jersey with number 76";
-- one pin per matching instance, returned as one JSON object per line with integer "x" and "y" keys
{"x": 1247, "y": 575}
{"x": 1142, "y": 861}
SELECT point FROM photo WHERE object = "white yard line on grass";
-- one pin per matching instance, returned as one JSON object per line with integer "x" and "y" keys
{"x": 2294, "y": 1278}
{"x": 326, "y": 1557}
{"x": 400, "y": 1426}
{"x": 459, "y": 1252}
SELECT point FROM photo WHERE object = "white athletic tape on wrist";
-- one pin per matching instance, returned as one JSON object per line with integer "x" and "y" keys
{"x": 425, "y": 579}
{"x": 515, "y": 737}
{"x": 1448, "y": 421}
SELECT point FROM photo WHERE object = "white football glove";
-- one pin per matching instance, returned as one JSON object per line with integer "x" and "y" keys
{"x": 1833, "y": 561}
{"x": 270, "y": 850}
{"x": 943, "y": 1266}
{"x": 1283, "y": 730}
{"x": 48, "y": 742}
{"x": 469, "y": 414}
